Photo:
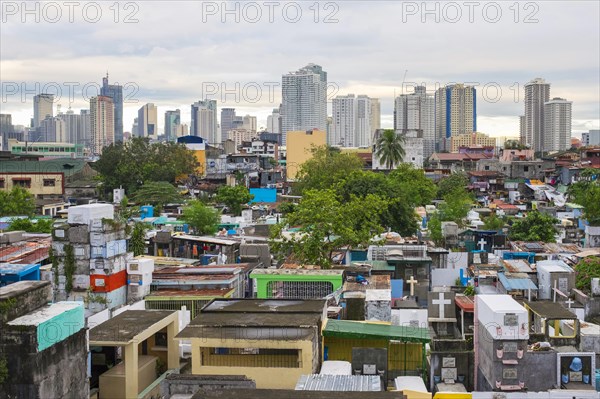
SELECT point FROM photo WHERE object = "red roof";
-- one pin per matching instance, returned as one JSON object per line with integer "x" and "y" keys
{"x": 465, "y": 303}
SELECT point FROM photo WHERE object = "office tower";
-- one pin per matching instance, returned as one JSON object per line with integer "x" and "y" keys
{"x": 102, "y": 123}
{"x": 53, "y": 130}
{"x": 249, "y": 122}
{"x": 416, "y": 111}
{"x": 304, "y": 100}
{"x": 557, "y": 125}
{"x": 7, "y": 130}
{"x": 537, "y": 93}
{"x": 116, "y": 93}
{"x": 591, "y": 137}
{"x": 204, "y": 121}
{"x": 85, "y": 132}
{"x": 72, "y": 125}
{"x": 148, "y": 121}
{"x": 274, "y": 121}
{"x": 375, "y": 117}
{"x": 227, "y": 119}
{"x": 363, "y": 128}
{"x": 344, "y": 119}
{"x": 172, "y": 121}
{"x": 134, "y": 128}
{"x": 455, "y": 113}
{"x": 43, "y": 106}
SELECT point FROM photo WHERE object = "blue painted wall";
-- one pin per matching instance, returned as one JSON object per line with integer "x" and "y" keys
{"x": 264, "y": 195}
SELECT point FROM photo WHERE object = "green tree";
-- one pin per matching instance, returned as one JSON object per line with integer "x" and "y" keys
{"x": 435, "y": 229}
{"x": 157, "y": 194}
{"x": 17, "y": 202}
{"x": 456, "y": 206}
{"x": 587, "y": 269}
{"x": 325, "y": 224}
{"x": 327, "y": 167}
{"x": 389, "y": 148}
{"x": 31, "y": 226}
{"x": 416, "y": 187}
{"x": 493, "y": 222}
{"x": 137, "y": 161}
{"x": 203, "y": 219}
{"x": 286, "y": 207}
{"x": 234, "y": 197}
{"x": 586, "y": 192}
{"x": 137, "y": 243}
{"x": 452, "y": 182}
{"x": 535, "y": 226}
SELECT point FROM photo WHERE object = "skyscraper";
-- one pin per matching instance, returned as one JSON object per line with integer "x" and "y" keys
{"x": 557, "y": 125}
{"x": 274, "y": 121}
{"x": 72, "y": 126}
{"x": 343, "y": 127}
{"x": 53, "y": 130}
{"x": 148, "y": 121}
{"x": 375, "y": 117}
{"x": 227, "y": 119}
{"x": 522, "y": 131}
{"x": 7, "y": 130}
{"x": 249, "y": 122}
{"x": 172, "y": 121}
{"x": 102, "y": 123}
{"x": 43, "y": 106}
{"x": 85, "y": 133}
{"x": 416, "y": 111}
{"x": 455, "y": 113}
{"x": 116, "y": 93}
{"x": 304, "y": 100}
{"x": 204, "y": 121}
{"x": 537, "y": 93}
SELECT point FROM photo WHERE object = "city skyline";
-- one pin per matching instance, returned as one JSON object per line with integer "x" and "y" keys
{"x": 181, "y": 62}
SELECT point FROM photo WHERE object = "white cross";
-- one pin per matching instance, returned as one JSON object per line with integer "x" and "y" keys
{"x": 412, "y": 283}
{"x": 441, "y": 301}
{"x": 482, "y": 243}
{"x": 570, "y": 302}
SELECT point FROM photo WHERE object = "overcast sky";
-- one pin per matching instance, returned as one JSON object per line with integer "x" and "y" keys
{"x": 177, "y": 52}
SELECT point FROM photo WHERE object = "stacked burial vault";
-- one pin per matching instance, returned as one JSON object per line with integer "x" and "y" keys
{"x": 99, "y": 248}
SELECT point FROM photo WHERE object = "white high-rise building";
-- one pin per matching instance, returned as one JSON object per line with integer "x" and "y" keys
{"x": 352, "y": 121}
{"x": 344, "y": 119}
{"x": 557, "y": 125}
{"x": 416, "y": 112}
{"x": 537, "y": 93}
{"x": 72, "y": 126}
{"x": 249, "y": 122}
{"x": 274, "y": 122}
{"x": 148, "y": 121}
{"x": 85, "y": 137}
{"x": 375, "y": 118}
{"x": 204, "y": 121}
{"x": 591, "y": 137}
{"x": 53, "y": 130}
{"x": 102, "y": 123}
{"x": 304, "y": 100}
{"x": 43, "y": 106}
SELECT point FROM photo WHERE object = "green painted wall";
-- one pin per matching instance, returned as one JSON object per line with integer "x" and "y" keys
{"x": 262, "y": 281}
{"x": 60, "y": 327}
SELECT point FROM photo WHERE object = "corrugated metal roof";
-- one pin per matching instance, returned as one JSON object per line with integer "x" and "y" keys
{"x": 362, "y": 330}
{"x": 511, "y": 284}
{"x": 351, "y": 383}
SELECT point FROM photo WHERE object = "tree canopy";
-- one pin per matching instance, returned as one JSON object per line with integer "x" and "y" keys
{"x": 234, "y": 197}
{"x": 327, "y": 223}
{"x": 451, "y": 183}
{"x": 137, "y": 161}
{"x": 535, "y": 226}
{"x": 389, "y": 148}
{"x": 327, "y": 167}
{"x": 202, "y": 218}
{"x": 456, "y": 206}
{"x": 17, "y": 202}
{"x": 31, "y": 226}
{"x": 587, "y": 269}
{"x": 586, "y": 192}
{"x": 157, "y": 194}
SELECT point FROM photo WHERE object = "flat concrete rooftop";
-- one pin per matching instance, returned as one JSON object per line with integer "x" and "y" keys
{"x": 126, "y": 326}
{"x": 20, "y": 288}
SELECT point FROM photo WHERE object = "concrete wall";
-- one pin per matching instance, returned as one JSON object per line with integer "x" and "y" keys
{"x": 186, "y": 384}
{"x": 23, "y": 297}
{"x": 57, "y": 372}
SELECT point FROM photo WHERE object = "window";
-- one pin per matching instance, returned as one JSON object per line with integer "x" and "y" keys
{"x": 525, "y": 168}
{"x": 1, "y": 183}
{"x": 49, "y": 182}
{"x": 22, "y": 182}
{"x": 160, "y": 339}
{"x": 487, "y": 167}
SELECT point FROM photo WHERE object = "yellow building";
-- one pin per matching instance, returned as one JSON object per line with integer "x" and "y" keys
{"x": 272, "y": 342}
{"x": 299, "y": 145}
{"x": 148, "y": 347}
{"x": 198, "y": 146}
{"x": 474, "y": 139}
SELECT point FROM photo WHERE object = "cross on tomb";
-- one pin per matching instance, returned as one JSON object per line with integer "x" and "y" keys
{"x": 481, "y": 244}
{"x": 412, "y": 283}
{"x": 441, "y": 302}
{"x": 570, "y": 302}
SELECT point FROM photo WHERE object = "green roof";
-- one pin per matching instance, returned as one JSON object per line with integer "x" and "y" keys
{"x": 68, "y": 166}
{"x": 375, "y": 264}
{"x": 365, "y": 330}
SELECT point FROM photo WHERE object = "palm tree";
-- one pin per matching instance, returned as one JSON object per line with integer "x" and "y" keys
{"x": 389, "y": 148}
